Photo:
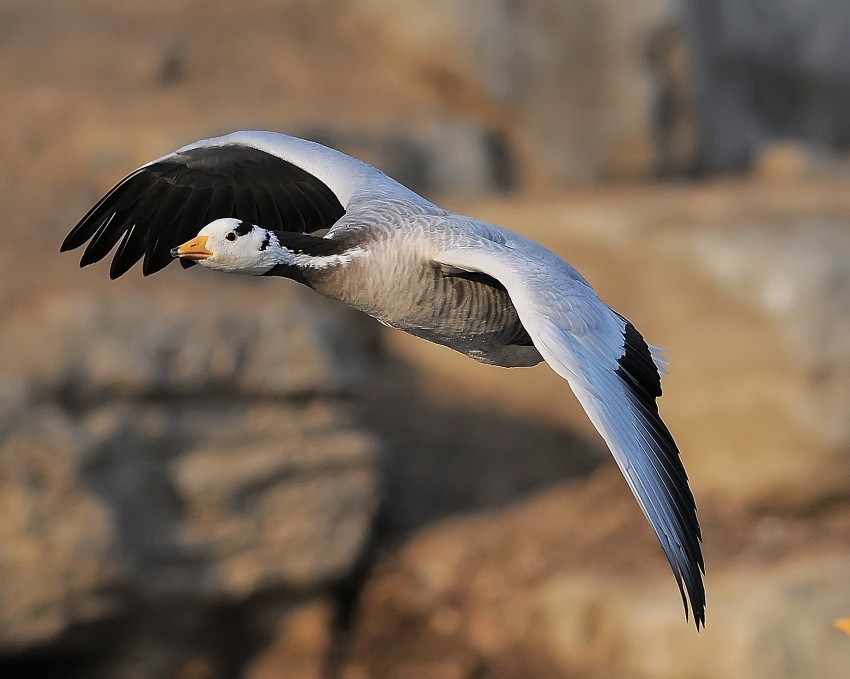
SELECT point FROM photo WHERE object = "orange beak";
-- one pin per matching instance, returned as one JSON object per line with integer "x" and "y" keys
{"x": 843, "y": 624}
{"x": 195, "y": 249}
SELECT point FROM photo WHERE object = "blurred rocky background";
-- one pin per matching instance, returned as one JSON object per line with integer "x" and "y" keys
{"x": 205, "y": 477}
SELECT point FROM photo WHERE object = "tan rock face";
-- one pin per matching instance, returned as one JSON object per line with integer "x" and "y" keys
{"x": 183, "y": 479}
{"x": 170, "y": 449}
{"x": 745, "y": 284}
{"x": 571, "y": 583}
{"x": 300, "y": 647}
{"x": 769, "y": 622}
{"x": 788, "y": 379}
{"x": 59, "y": 557}
{"x": 578, "y": 86}
{"x": 747, "y": 292}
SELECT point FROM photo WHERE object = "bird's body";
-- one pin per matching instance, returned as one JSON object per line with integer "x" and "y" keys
{"x": 469, "y": 285}
{"x": 471, "y": 313}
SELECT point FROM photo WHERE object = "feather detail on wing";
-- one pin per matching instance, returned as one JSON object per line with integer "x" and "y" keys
{"x": 167, "y": 201}
{"x": 279, "y": 182}
{"x": 615, "y": 376}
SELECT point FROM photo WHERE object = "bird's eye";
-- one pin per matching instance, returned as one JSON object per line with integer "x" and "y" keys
{"x": 231, "y": 236}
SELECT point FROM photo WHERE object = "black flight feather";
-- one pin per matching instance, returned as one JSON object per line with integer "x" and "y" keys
{"x": 165, "y": 203}
{"x": 671, "y": 503}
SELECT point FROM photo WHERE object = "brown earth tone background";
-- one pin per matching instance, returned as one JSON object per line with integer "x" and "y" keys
{"x": 205, "y": 477}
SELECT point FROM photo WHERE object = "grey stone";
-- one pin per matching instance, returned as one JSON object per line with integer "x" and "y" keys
{"x": 58, "y": 556}
{"x": 767, "y": 70}
{"x": 443, "y": 156}
{"x": 153, "y": 451}
{"x": 135, "y": 345}
{"x": 578, "y": 90}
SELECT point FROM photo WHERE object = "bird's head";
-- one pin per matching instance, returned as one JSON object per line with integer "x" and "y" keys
{"x": 233, "y": 246}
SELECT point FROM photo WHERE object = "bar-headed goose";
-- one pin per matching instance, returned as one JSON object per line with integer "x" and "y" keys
{"x": 248, "y": 202}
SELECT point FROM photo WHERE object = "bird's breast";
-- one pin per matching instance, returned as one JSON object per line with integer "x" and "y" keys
{"x": 471, "y": 313}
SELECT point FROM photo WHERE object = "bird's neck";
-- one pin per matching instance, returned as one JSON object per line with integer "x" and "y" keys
{"x": 305, "y": 258}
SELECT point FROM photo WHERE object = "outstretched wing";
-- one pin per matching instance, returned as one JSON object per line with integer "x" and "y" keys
{"x": 614, "y": 375}
{"x": 166, "y": 202}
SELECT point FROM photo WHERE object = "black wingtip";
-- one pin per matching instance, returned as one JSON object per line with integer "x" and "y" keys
{"x": 165, "y": 202}
{"x": 695, "y": 595}
{"x": 75, "y": 238}
{"x": 699, "y": 619}
{"x": 636, "y": 365}
{"x": 89, "y": 257}
{"x": 679, "y": 533}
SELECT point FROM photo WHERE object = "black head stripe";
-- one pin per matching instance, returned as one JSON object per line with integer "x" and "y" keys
{"x": 243, "y": 228}
{"x": 313, "y": 246}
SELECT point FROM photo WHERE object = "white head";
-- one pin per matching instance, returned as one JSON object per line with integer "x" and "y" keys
{"x": 234, "y": 246}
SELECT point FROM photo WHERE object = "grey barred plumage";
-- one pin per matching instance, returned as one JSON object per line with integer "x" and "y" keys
{"x": 249, "y": 203}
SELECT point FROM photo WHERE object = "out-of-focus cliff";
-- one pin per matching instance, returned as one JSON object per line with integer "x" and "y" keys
{"x": 206, "y": 476}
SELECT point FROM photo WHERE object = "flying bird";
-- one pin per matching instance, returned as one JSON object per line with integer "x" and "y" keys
{"x": 252, "y": 203}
